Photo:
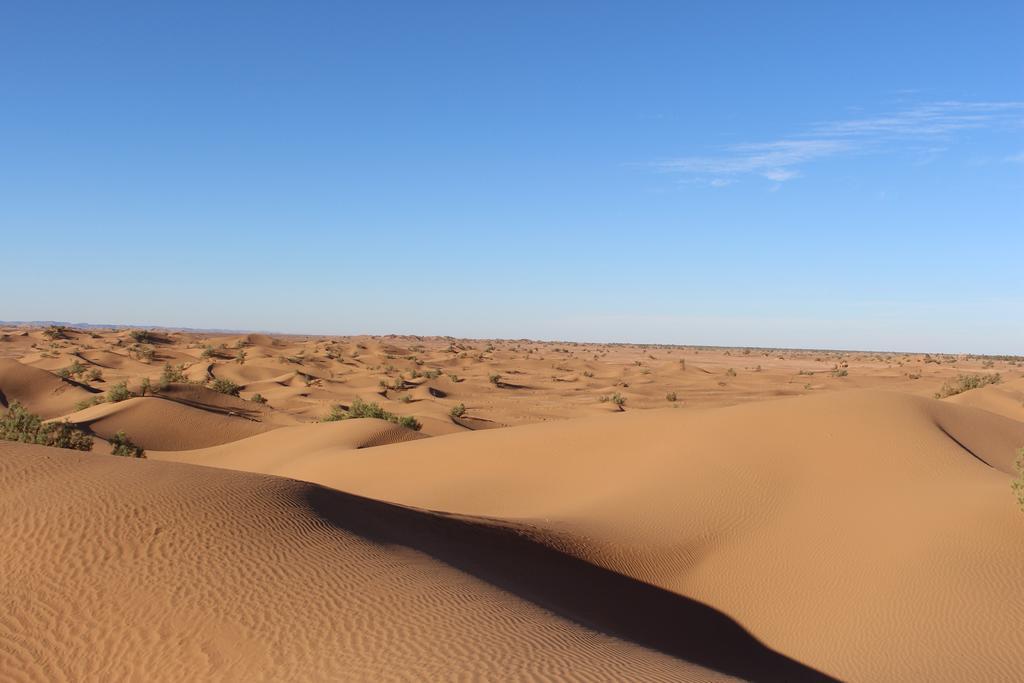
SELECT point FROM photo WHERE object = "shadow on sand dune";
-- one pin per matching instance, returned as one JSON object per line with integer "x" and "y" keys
{"x": 587, "y": 594}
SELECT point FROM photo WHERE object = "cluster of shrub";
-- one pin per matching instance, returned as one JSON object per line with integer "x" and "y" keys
{"x": 1018, "y": 484}
{"x": 361, "y": 408}
{"x": 18, "y": 424}
{"x": 171, "y": 374}
{"x": 79, "y": 371}
{"x": 617, "y": 399}
{"x": 965, "y": 383}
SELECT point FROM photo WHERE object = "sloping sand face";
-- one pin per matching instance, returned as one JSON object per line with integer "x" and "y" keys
{"x": 157, "y": 423}
{"x": 38, "y": 390}
{"x": 831, "y": 528}
{"x": 131, "y": 570}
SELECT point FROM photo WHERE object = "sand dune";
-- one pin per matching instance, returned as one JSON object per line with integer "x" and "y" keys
{"x": 311, "y": 446}
{"x": 108, "y": 360}
{"x": 244, "y": 374}
{"x": 856, "y": 529}
{"x": 161, "y": 424}
{"x": 1003, "y": 399}
{"x": 801, "y": 519}
{"x": 199, "y": 396}
{"x": 303, "y": 377}
{"x": 160, "y": 571}
{"x": 40, "y": 391}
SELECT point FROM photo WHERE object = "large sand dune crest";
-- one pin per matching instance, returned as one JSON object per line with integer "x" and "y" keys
{"x": 862, "y": 506}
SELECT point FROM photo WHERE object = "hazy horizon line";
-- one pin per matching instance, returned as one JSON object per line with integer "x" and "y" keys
{"x": 202, "y": 330}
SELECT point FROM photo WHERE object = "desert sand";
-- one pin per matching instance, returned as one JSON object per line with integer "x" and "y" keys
{"x": 752, "y": 513}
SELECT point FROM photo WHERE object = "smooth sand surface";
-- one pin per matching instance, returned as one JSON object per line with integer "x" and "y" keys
{"x": 830, "y": 527}
{"x": 783, "y": 521}
{"x": 38, "y": 390}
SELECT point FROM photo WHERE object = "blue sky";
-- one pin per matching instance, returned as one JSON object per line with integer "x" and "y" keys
{"x": 844, "y": 175}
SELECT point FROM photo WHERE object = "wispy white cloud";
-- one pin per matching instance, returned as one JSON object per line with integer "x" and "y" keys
{"x": 780, "y": 175}
{"x": 926, "y": 120}
{"x": 769, "y": 159}
{"x": 778, "y": 160}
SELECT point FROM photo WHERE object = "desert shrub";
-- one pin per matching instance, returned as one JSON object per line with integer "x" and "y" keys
{"x": 588, "y": 373}
{"x": 240, "y": 357}
{"x": 118, "y": 392}
{"x": 406, "y": 399}
{"x": 495, "y": 379}
{"x": 840, "y": 372}
{"x": 142, "y": 336}
{"x": 361, "y": 408}
{"x": 258, "y": 398}
{"x": 410, "y": 422}
{"x": 730, "y": 372}
{"x": 457, "y": 410}
{"x": 95, "y": 375}
{"x": 671, "y": 397}
{"x": 17, "y": 424}
{"x": 54, "y": 332}
{"x": 124, "y": 447}
{"x": 619, "y": 400}
{"x": 76, "y": 369}
{"x": 1018, "y": 484}
{"x": 66, "y": 435}
{"x": 145, "y": 386}
{"x": 453, "y": 377}
{"x": 171, "y": 373}
{"x": 965, "y": 383}
{"x": 86, "y": 403}
{"x": 64, "y": 373}
{"x": 337, "y": 413}
{"x": 225, "y": 386}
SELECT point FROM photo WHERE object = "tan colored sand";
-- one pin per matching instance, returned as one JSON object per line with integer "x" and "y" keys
{"x": 116, "y": 569}
{"x": 303, "y": 377}
{"x": 830, "y": 527}
{"x": 38, "y": 390}
{"x": 158, "y": 423}
{"x": 793, "y": 515}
